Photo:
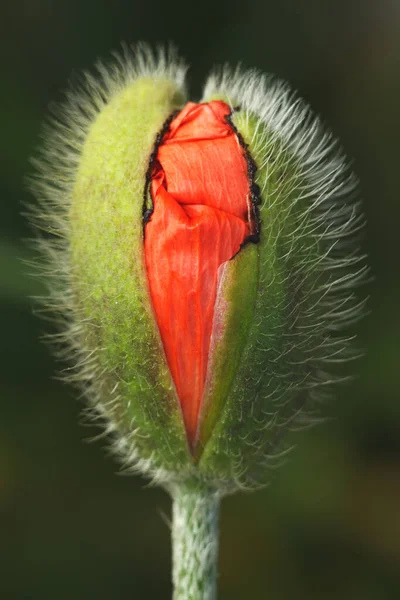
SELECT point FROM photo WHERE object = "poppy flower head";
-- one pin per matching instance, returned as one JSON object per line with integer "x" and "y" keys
{"x": 177, "y": 326}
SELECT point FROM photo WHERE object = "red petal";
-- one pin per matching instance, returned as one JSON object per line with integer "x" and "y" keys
{"x": 200, "y": 191}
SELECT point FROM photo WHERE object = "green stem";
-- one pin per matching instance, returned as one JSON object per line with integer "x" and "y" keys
{"x": 194, "y": 543}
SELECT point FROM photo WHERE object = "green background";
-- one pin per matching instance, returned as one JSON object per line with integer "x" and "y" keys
{"x": 328, "y": 526}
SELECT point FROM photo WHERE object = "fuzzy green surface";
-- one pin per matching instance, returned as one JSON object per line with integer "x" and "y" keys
{"x": 195, "y": 514}
{"x": 112, "y": 302}
{"x": 267, "y": 391}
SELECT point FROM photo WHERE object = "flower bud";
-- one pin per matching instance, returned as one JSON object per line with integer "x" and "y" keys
{"x": 206, "y": 263}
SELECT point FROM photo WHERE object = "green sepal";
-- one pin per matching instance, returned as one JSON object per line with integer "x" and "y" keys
{"x": 267, "y": 390}
{"x": 133, "y": 386}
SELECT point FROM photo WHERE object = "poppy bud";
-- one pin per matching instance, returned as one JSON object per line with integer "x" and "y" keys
{"x": 206, "y": 261}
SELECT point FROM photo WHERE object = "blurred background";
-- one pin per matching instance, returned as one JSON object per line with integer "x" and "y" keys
{"x": 328, "y": 526}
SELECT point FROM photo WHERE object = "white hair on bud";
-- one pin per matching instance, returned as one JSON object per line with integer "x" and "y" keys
{"x": 327, "y": 190}
{"x": 56, "y": 166}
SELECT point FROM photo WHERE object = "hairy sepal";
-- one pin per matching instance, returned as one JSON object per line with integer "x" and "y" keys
{"x": 287, "y": 362}
{"x": 134, "y": 389}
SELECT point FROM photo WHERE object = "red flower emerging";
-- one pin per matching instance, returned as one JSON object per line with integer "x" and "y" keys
{"x": 201, "y": 198}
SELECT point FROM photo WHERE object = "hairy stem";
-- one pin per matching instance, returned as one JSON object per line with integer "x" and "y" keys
{"x": 195, "y": 543}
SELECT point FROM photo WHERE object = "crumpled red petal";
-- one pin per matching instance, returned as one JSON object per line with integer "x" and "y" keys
{"x": 200, "y": 192}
